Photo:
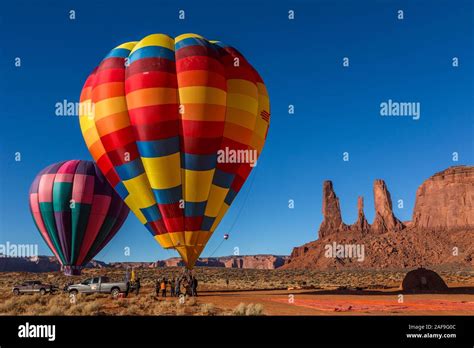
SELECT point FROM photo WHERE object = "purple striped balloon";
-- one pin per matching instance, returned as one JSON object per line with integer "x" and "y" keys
{"x": 76, "y": 211}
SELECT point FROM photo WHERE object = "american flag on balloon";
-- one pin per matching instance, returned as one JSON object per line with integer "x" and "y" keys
{"x": 265, "y": 115}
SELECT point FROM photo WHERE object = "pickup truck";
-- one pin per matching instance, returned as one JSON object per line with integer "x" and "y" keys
{"x": 99, "y": 284}
{"x": 33, "y": 286}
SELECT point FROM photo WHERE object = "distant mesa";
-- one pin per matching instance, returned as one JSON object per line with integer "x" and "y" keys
{"x": 441, "y": 231}
{"x": 244, "y": 262}
{"x": 38, "y": 264}
{"x": 50, "y": 264}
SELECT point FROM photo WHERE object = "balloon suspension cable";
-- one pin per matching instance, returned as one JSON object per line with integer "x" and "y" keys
{"x": 240, "y": 211}
{"x": 218, "y": 246}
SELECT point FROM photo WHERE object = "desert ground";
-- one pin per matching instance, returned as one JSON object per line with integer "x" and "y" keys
{"x": 249, "y": 292}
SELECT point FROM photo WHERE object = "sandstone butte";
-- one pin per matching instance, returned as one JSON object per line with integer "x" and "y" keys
{"x": 440, "y": 234}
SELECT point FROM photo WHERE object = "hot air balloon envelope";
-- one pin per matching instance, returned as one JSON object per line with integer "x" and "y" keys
{"x": 176, "y": 126}
{"x": 76, "y": 211}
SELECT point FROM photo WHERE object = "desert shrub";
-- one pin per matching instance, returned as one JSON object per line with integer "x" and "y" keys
{"x": 248, "y": 310}
{"x": 131, "y": 310}
{"x": 164, "y": 307}
{"x": 151, "y": 296}
{"x": 54, "y": 311}
{"x": 254, "y": 309}
{"x": 207, "y": 309}
{"x": 9, "y": 306}
{"x": 122, "y": 303}
{"x": 25, "y": 304}
{"x": 168, "y": 305}
{"x": 92, "y": 308}
{"x": 191, "y": 302}
{"x": 240, "y": 309}
{"x": 75, "y": 309}
{"x": 34, "y": 309}
{"x": 60, "y": 301}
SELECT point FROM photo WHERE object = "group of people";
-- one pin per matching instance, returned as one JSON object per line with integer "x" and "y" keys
{"x": 184, "y": 284}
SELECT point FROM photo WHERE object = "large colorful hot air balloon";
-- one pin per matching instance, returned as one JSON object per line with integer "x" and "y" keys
{"x": 159, "y": 117}
{"x": 76, "y": 211}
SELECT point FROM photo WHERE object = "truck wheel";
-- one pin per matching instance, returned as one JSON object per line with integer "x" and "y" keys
{"x": 16, "y": 292}
{"x": 42, "y": 291}
{"x": 115, "y": 292}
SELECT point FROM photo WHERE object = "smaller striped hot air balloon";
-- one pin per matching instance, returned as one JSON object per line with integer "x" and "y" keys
{"x": 76, "y": 211}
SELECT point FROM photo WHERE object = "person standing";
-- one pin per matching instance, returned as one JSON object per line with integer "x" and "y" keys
{"x": 163, "y": 287}
{"x": 177, "y": 286}
{"x": 157, "y": 287}
{"x": 172, "y": 289}
{"x": 194, "y": 285}
{"x": 137, "y": 286}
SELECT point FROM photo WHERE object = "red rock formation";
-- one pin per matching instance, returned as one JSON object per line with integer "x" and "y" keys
{"x": 332, "y": 220}
{"x": 361, "y": 225}
{"x": 443, "y": 220}
{"x": 446, "y": 200}
{"x": 384, "y": 220}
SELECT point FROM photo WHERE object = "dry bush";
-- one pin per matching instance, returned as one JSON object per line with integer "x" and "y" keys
{"x": 76, "y": 309}
{"x": 191, "y": 302}
{"x": 207, "y": 309}
{"x": 151, "y": 296}
{"x": 122, "y": 303}
{"x": 9, "y": 307}
{"x": 92, "y": 308}
{"x": 164, "y": 308}
{"x": 131, "y": 310}
{"x": 240, "y": 309}
{"x": 248, "y": 310}
{"x": 58, "y": 305}
{"x": 35, "y": 309}
{"x": 54, "y": 311}
{"x": 25, "y": 305}
{"x": 254, "y": 309}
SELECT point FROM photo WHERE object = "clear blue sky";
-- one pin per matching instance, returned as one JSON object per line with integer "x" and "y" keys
{"x": 336, "y": 108}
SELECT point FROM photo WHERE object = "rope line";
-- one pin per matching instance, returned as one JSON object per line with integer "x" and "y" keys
{"x": 240, "y": 210}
